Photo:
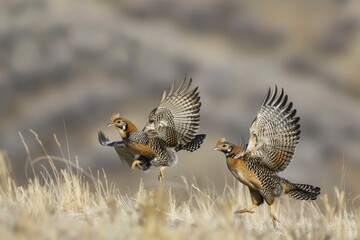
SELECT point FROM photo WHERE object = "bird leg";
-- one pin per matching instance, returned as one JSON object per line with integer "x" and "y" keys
{"x": 247, "y": 209}
{"x": 135, "y": 164}
{"x": 273, "y": 215}
{"x": 256, "y": 199}
{"x": 161, "y": 173}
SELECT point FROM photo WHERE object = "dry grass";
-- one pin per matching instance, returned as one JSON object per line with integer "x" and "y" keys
{"x": 72, "y": 204}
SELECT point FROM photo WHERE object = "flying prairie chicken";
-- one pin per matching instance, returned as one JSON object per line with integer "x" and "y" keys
{"x": 274, "y": 135}
{"x": 172, "y": 127}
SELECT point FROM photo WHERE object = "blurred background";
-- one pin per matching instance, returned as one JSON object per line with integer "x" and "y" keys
{"x": 66, "y": 66}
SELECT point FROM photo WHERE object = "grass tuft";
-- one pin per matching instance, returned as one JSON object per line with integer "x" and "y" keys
{"x": 71, "y": 203}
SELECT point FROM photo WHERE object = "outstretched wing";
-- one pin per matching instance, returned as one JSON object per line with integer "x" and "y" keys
{"x": 176, "y": 119}
{"x": 275, "y": 133}
{"x": 125, "y": 154}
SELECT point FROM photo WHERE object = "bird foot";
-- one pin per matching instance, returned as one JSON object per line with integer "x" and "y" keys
{"x": 161, "y": 173}
{"x": 160, "y": 177}
{"x": 274, "y": 218}
{"x": 135, "y": 164}
{"x": 245, "y": 210}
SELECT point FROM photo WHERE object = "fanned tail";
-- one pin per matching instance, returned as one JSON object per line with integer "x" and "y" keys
{"x": 193, "y": 145}
{"x": 304, "y": 191}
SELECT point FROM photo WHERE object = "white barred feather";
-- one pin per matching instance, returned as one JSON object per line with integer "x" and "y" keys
{"x": 179, "y": 114}
{"x": 275, "y": 133}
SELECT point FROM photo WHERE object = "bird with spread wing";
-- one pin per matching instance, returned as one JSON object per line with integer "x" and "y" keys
{"x": 274, "y": 135}
{"x": 172, "y": 127}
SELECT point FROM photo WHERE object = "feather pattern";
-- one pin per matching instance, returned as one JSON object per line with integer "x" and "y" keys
{"x": 176, "y": 119}
{"x": 275, "y": 133}
{"x": 304, "y": 191}
{"x": 172, "y": 127}
{"x": 125, "y": 153}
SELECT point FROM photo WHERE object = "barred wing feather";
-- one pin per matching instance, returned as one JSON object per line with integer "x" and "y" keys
{"x": 176, "y": 119}
{"x": 275, "y": 133}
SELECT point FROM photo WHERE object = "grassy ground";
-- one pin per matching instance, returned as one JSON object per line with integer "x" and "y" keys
{"x": 73, "y": 204}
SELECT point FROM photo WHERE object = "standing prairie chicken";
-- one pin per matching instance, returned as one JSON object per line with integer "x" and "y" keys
{"x": 172, "y": 127}
{"x": 274, "y": 135}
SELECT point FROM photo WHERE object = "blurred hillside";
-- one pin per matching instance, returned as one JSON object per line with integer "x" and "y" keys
{"x": 75, "y": 63}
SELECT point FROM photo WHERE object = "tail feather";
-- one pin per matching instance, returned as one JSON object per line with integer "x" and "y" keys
{"x": 304, "y": 192}
{"x": 193, "y": 145}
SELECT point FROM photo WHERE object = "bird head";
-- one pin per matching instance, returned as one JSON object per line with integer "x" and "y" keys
{"x": 122, "y": 124}
{"x": 223, "y": 146}
{"x": 228, "y": 148}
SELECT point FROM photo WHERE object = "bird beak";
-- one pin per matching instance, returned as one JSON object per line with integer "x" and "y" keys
{"x": 110, "y": 125}
{"x": 216, "y": 149}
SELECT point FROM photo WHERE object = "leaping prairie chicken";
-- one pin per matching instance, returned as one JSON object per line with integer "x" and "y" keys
{"x": 172, "y": 127}
{"x": 274, "y": 135}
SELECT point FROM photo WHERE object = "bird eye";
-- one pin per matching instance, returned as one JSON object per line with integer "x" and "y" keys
{"x": 118, "y": 122}
{"x": 224, "y": 145}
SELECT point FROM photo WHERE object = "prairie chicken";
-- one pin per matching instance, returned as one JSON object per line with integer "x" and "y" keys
{"x": 172, "y": 127}
{"x": 274, "y": 135}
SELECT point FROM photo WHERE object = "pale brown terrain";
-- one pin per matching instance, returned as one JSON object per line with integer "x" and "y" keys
{"x": 75, "y": 204}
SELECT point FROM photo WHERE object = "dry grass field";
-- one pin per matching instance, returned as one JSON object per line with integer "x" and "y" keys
{"x": 66, "y": 66}
{"x": 71, "y": 203}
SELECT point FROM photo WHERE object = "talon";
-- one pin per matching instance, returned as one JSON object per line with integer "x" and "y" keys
{"x": 136, "y": 163}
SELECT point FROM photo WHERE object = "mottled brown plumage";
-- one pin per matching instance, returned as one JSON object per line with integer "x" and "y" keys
{"x": 172, "y": 127}
{"x": 274, "y": 135}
